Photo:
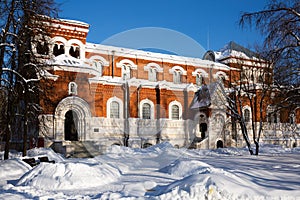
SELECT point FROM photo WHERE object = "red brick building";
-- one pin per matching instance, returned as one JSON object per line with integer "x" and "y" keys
{"x": 112, "y": 95}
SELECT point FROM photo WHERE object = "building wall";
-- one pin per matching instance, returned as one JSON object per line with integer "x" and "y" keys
{"x": 97, "y": 76}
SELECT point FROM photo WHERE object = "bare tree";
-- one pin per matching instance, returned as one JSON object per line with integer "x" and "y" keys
{"x": 20, "y": 66}
{"x": 279, "y": 23}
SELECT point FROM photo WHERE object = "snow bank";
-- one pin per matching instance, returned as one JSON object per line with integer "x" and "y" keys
{"x": 183, "y": 168}
{"x": 69, "y": 176}
{"x": 12, "y": 169}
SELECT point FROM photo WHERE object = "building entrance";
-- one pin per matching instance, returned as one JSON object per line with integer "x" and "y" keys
{"x": 71, "y": 125}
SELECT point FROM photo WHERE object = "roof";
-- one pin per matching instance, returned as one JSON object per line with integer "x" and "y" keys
{"x": 232, "y": 46}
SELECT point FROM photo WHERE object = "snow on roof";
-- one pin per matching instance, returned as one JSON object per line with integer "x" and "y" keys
{"x": 74, "y": 22}
{"x": 153, "y": 56}
{"x": 233, "y": 49}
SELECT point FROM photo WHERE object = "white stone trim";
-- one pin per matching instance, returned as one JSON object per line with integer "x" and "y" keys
{"x": 175, "y": 68}
{"x": 120, "y": 106}
{"x": 79, "y": 43}
{"x": 128, "y": 63}
{"x": 82, "y": 110}
{"x": 70, "y": 88}
{"x": 155, "y": 65}
{"x": 151, "y": 56}
{"x": 102, "y": 60}
{"x": 151, "y": 109}
{"x": 200, "y": 71}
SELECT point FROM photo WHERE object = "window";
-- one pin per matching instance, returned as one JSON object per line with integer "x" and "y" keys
{"x": 175, "y": 112}
{"x": 247, "y": 115}
{"x": 177, "y": 76}
{"x": 153, "y": 69}
{"x": 98, "y": 66}
{"x": 74, "y": 51}
{"x": 146, "y": 109}
{"x": 72, "y": 88}
{"x": 152, "y": 74}
{"x": 114, "y": 109}
{"x": 199, "y": 79}
{"x": 126, "y": 72}
{"x": 146, "y": 112}
{"x": 58, "y": 49}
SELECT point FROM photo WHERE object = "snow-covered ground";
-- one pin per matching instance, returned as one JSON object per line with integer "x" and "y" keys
{"x": 158, "y": 172}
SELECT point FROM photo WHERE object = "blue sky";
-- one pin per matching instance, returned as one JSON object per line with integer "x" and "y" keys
{"x": 211, "y": 23}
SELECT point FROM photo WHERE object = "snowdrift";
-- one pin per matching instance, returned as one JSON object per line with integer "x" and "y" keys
{"x": 69, "y": 176}
{"x": 159, "y": 172}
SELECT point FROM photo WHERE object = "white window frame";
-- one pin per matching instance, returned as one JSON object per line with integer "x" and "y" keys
{"x": 177, "y": 103}
{"x": 177, "y": 72}
{"x": 126, "y": 72}
{"x": 70, "y": 87}
{"x": 151, "y": 108}
{"x": 108, "y": 109}
{"x": 177, "y": 77}
{"x": 152, "y": 74}
{"x": 153, "y": 67}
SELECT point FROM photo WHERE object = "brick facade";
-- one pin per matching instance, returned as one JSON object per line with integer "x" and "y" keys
{"x": 116, "y": 99}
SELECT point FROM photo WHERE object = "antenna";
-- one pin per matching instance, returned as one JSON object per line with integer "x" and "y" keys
{"x": 207, "y": 45}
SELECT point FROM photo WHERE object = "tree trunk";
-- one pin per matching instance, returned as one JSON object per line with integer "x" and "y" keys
{"x": 256, "y": 147}
{"x": 246, "y": 138}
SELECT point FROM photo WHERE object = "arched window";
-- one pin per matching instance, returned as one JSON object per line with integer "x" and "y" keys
{"x": 114, "y": 109}
{"x": 199, "y": 79}
{"x": 58, "y": 49}
{"x": 175, "y": 112}
{"x": 152, "y": 74}
{"x": 177, "y": 76}
{"x": 72, "y": 88}
{"x": 74, "y": 51}
{"x": 98, "y": 66}
{"x": 126, "y": 72}
{"x": 247, "y": 115}
{"x": 146, "y": 112}
{"x": 153, "y": 69}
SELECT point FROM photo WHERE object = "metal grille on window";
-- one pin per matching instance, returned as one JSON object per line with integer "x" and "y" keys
{"x": 175, "y": 112}
{"x": 146, "y": 111}
{"x": 114, "y": 110}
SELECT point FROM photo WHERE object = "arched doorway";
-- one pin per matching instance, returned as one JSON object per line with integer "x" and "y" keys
{"x": 71, "y": 126}
{"x": 76, "y": 111}
{"x": 203, "y": 129}
{"x": 220, "y": 144}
